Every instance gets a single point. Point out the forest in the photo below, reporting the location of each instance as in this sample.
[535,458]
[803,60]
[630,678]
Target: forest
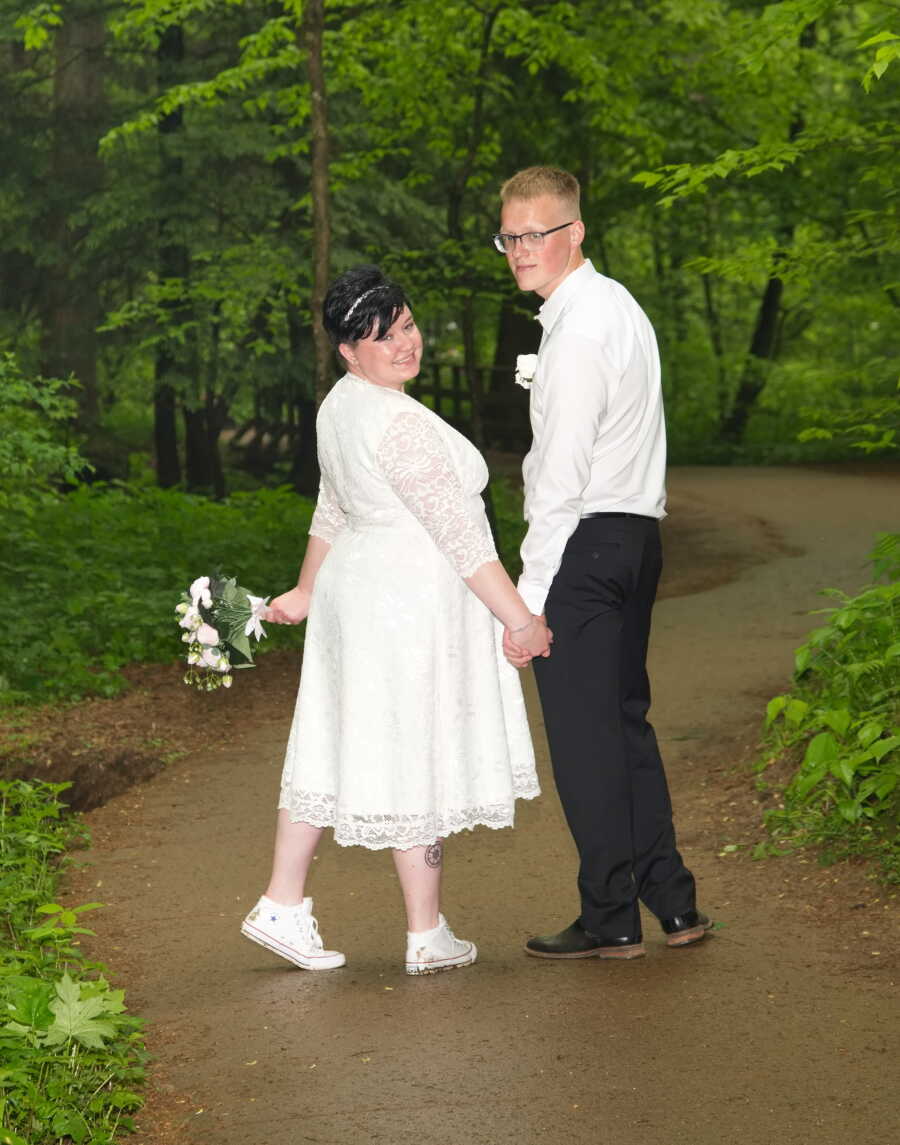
[180,179]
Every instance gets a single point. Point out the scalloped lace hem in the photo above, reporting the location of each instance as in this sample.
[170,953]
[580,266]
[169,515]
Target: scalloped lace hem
[378,832]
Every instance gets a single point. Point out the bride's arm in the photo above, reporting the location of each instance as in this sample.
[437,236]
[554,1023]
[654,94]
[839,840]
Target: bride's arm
[327,522]
[415,461]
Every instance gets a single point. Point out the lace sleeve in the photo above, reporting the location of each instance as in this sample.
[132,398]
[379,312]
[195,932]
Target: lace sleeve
[328,520]
[415,461]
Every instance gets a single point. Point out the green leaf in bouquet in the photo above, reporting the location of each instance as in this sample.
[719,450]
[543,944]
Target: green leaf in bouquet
[231,629]
[241,643]
[230,593]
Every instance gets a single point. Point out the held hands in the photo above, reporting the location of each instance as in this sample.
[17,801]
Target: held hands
[291,607]
[534,640]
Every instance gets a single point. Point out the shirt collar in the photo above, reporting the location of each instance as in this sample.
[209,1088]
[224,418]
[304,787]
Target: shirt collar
[553,307]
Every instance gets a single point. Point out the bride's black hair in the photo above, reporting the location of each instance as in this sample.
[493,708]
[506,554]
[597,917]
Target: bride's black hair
[360,301]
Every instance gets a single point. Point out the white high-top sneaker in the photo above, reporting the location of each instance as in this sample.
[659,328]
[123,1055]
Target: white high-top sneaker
[292,932]
[429,951]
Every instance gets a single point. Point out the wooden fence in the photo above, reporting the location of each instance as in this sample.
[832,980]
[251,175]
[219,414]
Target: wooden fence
[504,412]
[259,443]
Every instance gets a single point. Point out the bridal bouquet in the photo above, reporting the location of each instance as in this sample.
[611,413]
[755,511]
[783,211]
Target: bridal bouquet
[219,618]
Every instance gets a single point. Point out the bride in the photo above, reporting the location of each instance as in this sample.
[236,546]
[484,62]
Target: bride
[409,724]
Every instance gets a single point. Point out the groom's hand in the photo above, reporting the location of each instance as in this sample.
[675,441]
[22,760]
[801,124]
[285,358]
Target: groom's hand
[520,656]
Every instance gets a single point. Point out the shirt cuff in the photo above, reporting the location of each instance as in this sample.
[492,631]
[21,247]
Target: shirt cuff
[534,595]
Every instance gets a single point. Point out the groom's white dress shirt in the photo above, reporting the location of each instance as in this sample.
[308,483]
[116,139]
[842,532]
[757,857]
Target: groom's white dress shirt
[597,419]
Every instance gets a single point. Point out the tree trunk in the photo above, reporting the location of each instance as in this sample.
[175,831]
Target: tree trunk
[216,412]
[714,325]
[762,351]
[165,436]
[473,374]
[764,342]
[305,463]
[71,307]
[203,460]
[312,34]
[173,263]
[456,231]
[714,321]
[197,459]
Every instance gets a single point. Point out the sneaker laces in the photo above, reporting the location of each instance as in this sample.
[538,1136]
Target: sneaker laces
[309,924]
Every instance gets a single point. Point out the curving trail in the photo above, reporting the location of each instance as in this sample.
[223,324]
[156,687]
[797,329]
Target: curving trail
[782,1028]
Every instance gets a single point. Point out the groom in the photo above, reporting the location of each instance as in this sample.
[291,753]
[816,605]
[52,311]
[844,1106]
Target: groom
[594,495]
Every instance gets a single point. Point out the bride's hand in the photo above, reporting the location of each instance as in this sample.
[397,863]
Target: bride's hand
[292,607]
[533,640]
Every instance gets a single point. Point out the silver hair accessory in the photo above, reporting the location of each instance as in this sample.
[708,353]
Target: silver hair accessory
[365,294]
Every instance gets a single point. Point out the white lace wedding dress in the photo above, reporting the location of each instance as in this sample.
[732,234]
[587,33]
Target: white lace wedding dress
[409,722]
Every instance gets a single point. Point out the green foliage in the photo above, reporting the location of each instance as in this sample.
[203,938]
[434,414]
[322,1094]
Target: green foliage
[871,427]
[843,714]
[888,51]
[799,192]
[38,23]
[34,413]
[102,569]
[72,1058]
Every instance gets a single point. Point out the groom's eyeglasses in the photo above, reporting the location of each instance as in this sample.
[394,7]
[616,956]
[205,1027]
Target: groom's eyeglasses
[530,240]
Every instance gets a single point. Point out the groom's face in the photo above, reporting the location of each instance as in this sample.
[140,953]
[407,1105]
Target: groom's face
[544,268]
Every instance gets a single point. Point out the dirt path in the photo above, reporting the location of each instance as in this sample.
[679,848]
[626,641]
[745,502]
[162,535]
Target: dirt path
[782,1028]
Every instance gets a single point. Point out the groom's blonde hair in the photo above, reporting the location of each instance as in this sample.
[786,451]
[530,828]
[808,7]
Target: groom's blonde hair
[534,181]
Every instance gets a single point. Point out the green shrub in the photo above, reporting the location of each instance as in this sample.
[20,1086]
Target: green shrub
[843,714]
[71,1057]
[89,581]
[34,414]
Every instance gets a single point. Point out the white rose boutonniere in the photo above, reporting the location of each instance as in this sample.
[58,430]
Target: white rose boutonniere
[526,365]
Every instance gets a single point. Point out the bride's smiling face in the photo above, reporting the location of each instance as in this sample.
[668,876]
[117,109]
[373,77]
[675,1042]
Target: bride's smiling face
[391,360]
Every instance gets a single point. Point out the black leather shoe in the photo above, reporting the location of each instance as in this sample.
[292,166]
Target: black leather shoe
[684,929]
[576,942]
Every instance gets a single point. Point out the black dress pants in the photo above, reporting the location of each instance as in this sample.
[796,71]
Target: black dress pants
[595,695]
